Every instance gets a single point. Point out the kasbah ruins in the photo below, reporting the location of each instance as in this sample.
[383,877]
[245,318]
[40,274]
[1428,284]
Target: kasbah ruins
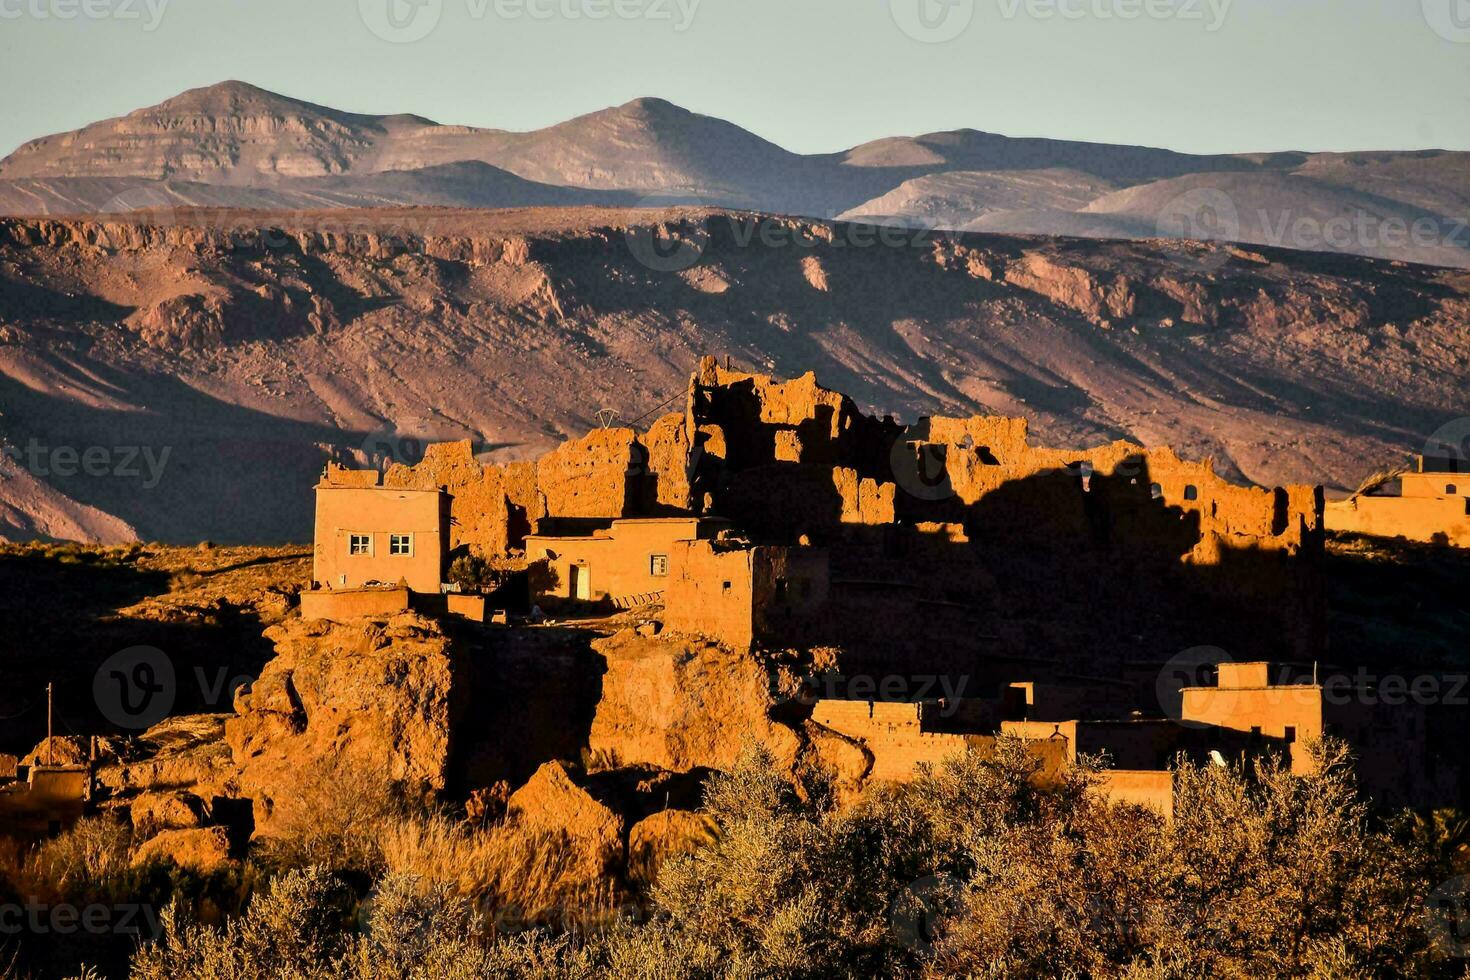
[771,565]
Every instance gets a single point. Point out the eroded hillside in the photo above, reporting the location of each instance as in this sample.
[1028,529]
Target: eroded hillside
[213,361]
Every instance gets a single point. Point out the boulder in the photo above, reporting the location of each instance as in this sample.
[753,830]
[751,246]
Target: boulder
[551,803]
[203,849]
[187,753]
[660,836]
[154,812]
[65,750]
[366,699]
[680,703]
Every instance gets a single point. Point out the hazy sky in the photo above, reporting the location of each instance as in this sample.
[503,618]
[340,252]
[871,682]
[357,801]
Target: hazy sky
[812,75]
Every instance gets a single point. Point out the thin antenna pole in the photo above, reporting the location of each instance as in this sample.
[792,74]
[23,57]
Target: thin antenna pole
[50,750]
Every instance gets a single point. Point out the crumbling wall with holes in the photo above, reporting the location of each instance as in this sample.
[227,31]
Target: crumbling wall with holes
[964,512]
[606,474]
[897,740]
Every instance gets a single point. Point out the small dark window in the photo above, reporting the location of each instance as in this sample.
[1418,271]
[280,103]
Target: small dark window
[1256,731]
[1290,734]
[1451,489]
[1155,491]
[1191,492]
[726,587]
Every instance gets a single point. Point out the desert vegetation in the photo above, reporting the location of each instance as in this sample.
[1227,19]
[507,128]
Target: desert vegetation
[979,867]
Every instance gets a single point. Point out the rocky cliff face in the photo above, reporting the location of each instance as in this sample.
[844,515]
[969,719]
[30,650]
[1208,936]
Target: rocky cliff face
[365,696]
[255,347]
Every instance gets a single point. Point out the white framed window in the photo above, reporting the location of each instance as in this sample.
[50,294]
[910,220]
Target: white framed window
[658,565]
[400,544]
[359,544]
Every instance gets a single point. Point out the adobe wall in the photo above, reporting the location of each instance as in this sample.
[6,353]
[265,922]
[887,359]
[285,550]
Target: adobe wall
[492,508]
[559,556]
[1435,484]
[608,473]
[893,734]
[471,607]
[1150,789]
[345,510]
[1153,546]
[789,592]
[1270,709]
[618,560]
[343,604]
[711,593]
[1417,518]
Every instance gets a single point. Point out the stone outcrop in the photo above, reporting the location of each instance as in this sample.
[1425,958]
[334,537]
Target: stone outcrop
[367,696]
[552,803]
[679,704]
[153,812]
[660,836]
[202,850]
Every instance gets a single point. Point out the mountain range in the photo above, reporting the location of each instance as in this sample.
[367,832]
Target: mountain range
[235,145]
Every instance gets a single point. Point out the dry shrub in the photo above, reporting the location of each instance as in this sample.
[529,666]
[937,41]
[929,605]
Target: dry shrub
[335,818]
[516,875]
[89,860]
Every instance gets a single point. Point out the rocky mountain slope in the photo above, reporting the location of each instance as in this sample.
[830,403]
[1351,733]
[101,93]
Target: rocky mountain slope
[186,375]
[235,145]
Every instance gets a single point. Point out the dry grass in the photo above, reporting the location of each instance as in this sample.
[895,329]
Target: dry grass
[1376,481]
[513,875]
[348,818]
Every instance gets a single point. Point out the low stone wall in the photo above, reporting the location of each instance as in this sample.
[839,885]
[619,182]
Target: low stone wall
[1415,518]
[340,604]
[471,607]
[1149,788]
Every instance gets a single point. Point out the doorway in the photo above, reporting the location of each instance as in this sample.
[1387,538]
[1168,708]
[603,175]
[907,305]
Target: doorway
[581,583]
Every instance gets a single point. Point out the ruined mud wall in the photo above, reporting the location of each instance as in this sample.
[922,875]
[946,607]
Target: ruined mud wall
[1111,553]
[606,474]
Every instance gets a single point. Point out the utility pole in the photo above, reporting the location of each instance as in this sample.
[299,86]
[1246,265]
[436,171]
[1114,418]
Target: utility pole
[50,749]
